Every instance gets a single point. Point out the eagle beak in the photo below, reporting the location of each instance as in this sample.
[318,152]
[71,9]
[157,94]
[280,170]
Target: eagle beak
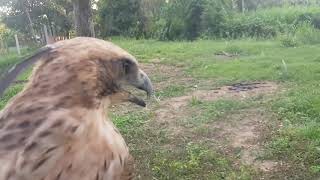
[142,82]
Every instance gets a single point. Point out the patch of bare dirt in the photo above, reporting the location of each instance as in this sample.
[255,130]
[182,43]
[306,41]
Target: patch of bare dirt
[166,75]
[225,56]
[244,131]
[238,135]
[236,91]
[240,132]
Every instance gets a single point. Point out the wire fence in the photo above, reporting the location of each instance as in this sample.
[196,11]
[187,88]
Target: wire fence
[16,43]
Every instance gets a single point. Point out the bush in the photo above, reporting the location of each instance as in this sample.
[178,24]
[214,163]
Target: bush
[180,19]
[233,49]
[267,23]
[121,17]
[308,34]
[304,33]
[213,19]
[247,26]
[171,24]
[191,19]
[289,40]
[314,19]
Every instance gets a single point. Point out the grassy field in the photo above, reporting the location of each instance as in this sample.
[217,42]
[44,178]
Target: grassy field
[206,126]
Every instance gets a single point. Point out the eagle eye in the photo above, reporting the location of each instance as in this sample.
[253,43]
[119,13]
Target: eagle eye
[126,65]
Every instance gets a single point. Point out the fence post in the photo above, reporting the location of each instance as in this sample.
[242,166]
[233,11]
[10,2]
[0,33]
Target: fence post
[2,48]
[54,34]
[242,6]
[46,33]
[17,43]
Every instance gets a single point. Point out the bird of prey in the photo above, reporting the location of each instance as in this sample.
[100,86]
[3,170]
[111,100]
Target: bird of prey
[57,128]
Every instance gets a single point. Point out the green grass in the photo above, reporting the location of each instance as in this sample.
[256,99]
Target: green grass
[12,91]
[208,111]
[196,161]
[171,91]
[10,59]
[128,123]
[297,109]
[189,159]
[7,61]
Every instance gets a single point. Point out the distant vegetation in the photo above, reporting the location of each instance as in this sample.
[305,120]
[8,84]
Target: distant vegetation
[287,20]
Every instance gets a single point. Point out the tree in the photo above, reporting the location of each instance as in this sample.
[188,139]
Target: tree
[83,18]
[5,33]
[214,17]
[29,16]
[19,8]
[173,19]
[121,17]
[193,19]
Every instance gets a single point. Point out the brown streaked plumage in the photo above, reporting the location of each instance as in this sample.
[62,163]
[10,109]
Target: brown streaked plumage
[56,128]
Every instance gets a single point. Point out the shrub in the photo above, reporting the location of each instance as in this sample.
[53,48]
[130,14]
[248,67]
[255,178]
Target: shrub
[233,49]
[213,19]
[267,23]
[308,34]
[247,26]
[191,19]
[288,40]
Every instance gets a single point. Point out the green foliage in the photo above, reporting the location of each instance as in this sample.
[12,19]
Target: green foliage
[267,23]
[304,33]
[169,20]
[214,18]
[173,19]
[121,17]
[5,38]
[288,40]
[190,19]
[206,19]
[308,34]
[193,20]
[249,26]
[234,50]
[57,15]
[4,32]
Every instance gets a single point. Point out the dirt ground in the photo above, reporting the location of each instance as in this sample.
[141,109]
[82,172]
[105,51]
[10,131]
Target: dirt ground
[239,135]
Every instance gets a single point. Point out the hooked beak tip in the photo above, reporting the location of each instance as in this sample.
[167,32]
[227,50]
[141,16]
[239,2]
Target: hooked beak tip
[137,101]
[143,83]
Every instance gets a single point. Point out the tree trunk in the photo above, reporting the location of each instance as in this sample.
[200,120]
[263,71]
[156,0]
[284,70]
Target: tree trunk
[83,18]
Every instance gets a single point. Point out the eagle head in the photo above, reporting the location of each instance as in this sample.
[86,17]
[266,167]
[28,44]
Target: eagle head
[115,70]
